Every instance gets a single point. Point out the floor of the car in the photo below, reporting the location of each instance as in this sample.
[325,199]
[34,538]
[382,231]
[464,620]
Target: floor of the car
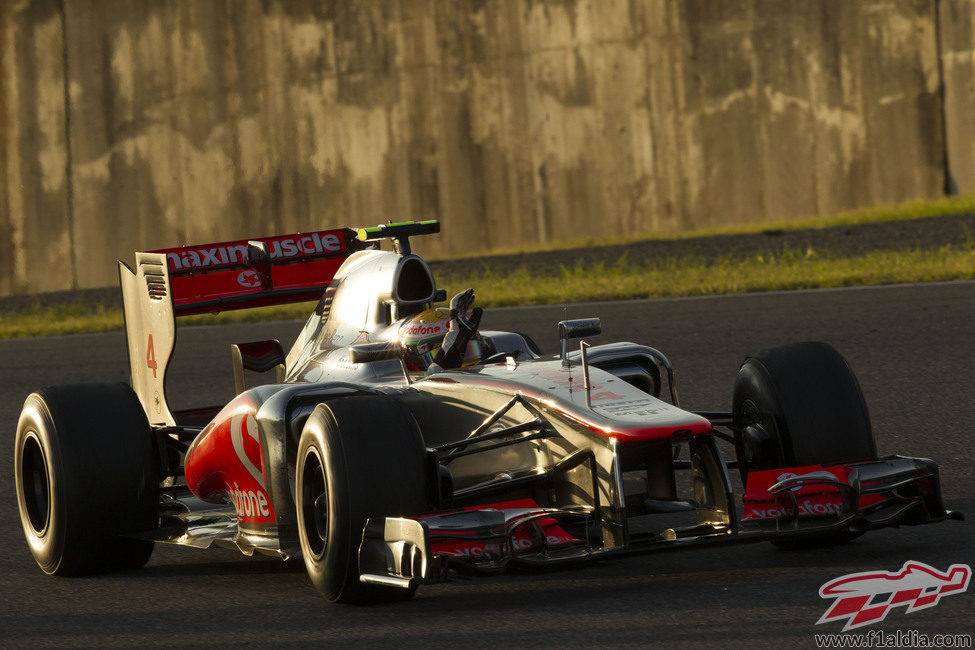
[186,520]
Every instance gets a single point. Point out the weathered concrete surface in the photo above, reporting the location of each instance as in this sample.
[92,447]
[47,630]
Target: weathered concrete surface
[35,223]
[511,121]
[957,22]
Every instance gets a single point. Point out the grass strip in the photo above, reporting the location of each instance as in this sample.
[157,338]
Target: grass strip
[950,205]
[688,277]
[621,280]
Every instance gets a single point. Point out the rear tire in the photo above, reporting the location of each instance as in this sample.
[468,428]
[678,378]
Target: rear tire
[85,474]
[808,409]
[358,457]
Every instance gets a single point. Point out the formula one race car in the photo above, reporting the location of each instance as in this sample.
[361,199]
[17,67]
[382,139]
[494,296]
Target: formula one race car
[400,445]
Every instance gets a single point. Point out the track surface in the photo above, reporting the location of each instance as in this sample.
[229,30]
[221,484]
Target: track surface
[911,347]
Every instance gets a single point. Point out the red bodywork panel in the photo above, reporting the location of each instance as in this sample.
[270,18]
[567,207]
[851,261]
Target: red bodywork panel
[226,464]
[223,276]
[810,499]
[523,538]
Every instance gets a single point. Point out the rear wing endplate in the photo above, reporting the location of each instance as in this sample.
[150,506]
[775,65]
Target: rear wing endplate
[150,331]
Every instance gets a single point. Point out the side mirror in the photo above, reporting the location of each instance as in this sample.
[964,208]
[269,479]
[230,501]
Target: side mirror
[576,329]
[366,352]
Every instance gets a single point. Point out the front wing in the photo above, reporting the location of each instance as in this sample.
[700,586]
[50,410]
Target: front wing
[782,504]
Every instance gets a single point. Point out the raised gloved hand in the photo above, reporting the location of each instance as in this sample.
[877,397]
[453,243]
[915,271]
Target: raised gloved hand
[464,321]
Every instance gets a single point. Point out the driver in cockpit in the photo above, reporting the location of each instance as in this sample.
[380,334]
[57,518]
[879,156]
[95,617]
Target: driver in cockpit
[441,338]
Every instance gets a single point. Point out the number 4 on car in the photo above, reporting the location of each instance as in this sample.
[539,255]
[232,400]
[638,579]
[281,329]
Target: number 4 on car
[398,443]
[151,357]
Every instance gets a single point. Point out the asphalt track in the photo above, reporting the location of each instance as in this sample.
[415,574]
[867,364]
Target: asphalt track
[911,346]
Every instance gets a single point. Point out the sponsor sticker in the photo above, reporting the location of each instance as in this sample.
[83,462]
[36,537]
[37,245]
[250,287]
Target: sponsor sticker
[249,504]
[287,246]
[422,329]
[248,278]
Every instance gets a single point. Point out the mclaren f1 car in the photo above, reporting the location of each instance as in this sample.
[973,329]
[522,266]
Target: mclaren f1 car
[398,444]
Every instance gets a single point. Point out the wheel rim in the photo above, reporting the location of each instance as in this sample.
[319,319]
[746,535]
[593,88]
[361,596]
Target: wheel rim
[35,484]
[314,503]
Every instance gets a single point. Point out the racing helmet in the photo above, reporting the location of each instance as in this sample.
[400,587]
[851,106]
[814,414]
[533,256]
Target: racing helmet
[421,341]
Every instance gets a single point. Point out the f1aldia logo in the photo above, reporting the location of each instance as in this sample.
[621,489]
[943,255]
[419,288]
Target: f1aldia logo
[866,598]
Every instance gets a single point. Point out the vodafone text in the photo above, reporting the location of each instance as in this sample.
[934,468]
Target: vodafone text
[248,504]
[420,330]
[807,507]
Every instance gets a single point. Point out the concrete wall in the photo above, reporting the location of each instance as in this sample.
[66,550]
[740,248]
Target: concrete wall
[957,38]
[36,252]
[136,124]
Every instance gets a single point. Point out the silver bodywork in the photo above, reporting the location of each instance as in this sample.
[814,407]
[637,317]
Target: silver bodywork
[584,432]
[373,292]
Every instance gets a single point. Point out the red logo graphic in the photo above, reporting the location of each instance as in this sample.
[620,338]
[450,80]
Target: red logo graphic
[866,598]
[248,278]
[246,440]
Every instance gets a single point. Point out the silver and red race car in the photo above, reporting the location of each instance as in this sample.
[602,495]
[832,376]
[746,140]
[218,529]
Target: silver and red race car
[400,445]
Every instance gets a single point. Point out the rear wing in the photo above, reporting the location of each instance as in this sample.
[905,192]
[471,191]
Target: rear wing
[223,276]
[257,272]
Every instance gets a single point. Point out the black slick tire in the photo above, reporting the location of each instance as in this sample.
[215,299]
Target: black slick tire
[85,475]
[807,400]
[358,457]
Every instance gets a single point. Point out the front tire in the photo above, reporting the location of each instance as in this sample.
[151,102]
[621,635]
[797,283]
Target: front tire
[85,474]
[358,457]
[805,407]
